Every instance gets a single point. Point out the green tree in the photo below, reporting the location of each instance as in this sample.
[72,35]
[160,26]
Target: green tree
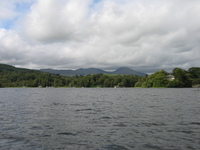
[160,79]
[194,72]
[140,81]
[195,75]
[182,78]
[157,79]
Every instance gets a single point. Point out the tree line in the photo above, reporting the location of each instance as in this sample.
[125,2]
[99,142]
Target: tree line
[16,77]
[182,78]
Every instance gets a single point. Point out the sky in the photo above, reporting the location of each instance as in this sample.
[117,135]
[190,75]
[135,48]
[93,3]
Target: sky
[144,35]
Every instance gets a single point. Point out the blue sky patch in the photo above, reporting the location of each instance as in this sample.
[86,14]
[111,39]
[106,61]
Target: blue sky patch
[21,9]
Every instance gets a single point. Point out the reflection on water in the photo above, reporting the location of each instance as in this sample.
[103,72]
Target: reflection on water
[99,119]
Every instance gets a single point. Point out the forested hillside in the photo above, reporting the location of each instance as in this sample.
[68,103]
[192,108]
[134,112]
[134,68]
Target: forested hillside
[17,77]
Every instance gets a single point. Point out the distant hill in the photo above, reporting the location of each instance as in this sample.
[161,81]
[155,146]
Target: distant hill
[87,71]
[127,71]
[81,71]
[9,68]
[11,76]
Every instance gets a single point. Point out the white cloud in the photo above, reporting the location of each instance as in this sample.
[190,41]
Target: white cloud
[52,20]
[144,35]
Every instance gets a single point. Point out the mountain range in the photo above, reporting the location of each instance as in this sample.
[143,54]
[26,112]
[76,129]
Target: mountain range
[87,71]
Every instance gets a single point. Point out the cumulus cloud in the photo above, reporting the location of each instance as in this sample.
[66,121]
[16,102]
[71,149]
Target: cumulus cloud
[52,20]
[143,35]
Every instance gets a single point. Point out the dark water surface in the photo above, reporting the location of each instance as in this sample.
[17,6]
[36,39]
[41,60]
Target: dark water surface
[99,119]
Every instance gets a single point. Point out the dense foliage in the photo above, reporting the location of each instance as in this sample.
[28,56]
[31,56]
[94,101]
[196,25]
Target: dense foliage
[17,77]
[102,80]
[182,78]
[158,79]
[195,75]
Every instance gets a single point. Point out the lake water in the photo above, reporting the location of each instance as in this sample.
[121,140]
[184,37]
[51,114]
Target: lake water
[99,119]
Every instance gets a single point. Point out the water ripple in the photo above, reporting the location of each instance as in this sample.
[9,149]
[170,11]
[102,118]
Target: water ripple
[99,119]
